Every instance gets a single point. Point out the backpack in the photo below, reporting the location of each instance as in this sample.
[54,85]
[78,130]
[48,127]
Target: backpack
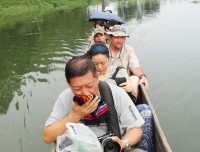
[121,80]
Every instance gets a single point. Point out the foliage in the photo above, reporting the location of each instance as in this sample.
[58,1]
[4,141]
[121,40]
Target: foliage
[12,11]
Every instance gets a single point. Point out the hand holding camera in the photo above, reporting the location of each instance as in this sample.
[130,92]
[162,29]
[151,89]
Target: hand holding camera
[108,144]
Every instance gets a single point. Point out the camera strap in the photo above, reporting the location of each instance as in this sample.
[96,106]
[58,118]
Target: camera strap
[116,71]
[112,121]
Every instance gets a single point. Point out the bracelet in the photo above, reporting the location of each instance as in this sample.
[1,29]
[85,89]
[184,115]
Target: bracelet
[140,76]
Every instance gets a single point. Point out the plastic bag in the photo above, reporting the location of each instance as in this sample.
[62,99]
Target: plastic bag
[78,138]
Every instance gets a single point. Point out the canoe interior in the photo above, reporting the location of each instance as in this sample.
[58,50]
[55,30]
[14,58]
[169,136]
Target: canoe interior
[160,141]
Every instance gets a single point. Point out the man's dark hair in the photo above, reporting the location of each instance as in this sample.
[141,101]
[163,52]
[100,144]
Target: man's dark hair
[79,66]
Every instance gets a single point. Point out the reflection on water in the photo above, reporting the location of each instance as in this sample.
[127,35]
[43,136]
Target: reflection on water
[39,48]
[33,56]
[138,9]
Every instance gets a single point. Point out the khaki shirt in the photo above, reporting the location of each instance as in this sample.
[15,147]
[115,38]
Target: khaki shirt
[126,58]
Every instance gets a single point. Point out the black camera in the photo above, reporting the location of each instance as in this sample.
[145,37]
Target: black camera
[108,144]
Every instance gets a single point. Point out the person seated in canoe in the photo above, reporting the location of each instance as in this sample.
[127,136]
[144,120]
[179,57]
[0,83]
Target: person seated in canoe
[99,54]
[109,24]
[98,35]
[122,54]
[98,23]
[107,9]
[82,78]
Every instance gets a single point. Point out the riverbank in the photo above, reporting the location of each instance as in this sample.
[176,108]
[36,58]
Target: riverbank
[22,11]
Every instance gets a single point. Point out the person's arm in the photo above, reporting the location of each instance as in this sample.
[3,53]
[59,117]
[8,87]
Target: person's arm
[51,132]
[135,68]
[138,72]
[58,128]
[132,137]
[126,85]
[130,119]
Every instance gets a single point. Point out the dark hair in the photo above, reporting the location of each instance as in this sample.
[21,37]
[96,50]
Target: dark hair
[98,48]
[79,66]
[100,22]
[110,23]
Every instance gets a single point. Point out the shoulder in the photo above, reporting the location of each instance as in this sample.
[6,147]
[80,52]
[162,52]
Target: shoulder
[66,93]
[116,91]
[128,48]
[65,97]
[62,107]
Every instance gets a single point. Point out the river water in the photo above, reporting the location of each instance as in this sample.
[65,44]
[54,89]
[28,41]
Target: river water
[165,35]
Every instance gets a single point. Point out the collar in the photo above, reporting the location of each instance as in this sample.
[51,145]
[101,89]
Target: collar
[121,52]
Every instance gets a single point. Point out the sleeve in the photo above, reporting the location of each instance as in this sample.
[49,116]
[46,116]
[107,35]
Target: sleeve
[133,59]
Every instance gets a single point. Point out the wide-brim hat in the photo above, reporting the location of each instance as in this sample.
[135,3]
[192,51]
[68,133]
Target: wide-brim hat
[118,30]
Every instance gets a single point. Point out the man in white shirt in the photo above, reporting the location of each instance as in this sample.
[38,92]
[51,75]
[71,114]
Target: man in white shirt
[82,78]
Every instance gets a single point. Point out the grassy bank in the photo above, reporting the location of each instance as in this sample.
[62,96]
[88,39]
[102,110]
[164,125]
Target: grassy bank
[13,11]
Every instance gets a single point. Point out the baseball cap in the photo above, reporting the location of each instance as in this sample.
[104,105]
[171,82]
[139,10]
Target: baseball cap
[107,9]
[99,30]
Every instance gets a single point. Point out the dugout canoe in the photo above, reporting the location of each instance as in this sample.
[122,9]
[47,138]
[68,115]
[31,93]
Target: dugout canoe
[160,141]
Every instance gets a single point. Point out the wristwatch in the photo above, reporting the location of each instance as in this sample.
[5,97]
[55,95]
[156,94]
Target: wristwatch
[140,76]
[127,147]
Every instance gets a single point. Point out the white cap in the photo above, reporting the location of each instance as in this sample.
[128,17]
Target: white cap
[107,9]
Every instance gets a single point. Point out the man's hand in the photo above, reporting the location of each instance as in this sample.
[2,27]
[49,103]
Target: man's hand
[120,142]
[145,81]
[86,108]
[126,86]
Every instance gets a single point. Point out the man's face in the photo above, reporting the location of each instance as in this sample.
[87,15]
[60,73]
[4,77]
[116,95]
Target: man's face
[118,41]
[84,85]
[100,38]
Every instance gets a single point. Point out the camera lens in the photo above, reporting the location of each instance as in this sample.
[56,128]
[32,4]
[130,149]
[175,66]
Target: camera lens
[108,144]
[112,146]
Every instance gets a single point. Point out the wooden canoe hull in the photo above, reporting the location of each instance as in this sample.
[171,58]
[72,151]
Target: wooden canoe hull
[160,142]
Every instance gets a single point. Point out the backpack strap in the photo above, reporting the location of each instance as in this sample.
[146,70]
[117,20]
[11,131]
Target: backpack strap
[112,121]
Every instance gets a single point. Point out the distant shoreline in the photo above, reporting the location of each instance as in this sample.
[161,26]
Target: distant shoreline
[23,11]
